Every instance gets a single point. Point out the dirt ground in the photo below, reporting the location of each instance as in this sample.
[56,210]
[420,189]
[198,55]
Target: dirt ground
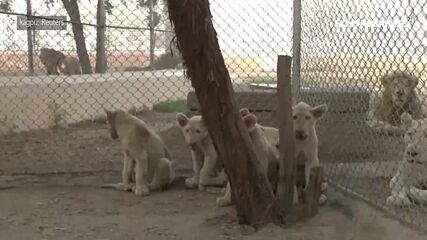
[49,189]
[74,207]
[86,147]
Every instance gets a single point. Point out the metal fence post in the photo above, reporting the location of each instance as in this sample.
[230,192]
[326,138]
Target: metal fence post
[152,35]
[30,41]
[296,50]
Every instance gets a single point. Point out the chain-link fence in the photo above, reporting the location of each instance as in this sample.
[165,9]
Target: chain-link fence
[56,123]
[367,61]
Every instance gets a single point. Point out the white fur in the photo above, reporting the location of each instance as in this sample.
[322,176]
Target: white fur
[143,153]
[306,141]
[265,153]
[207,169]
[412,171]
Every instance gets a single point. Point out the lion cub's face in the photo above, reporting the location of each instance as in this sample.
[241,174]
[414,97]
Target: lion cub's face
[112,122]
[305,117]
[194,129]
[415,140]
[400,86]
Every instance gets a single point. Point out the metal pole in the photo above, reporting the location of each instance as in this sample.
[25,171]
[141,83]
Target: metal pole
[287,163]
[296,48]
[152,40]
[30,41]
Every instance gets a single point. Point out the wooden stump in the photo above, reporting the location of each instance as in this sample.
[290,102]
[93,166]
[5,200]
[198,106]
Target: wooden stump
[308,204]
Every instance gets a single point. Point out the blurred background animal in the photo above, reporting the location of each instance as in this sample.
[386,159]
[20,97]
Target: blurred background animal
[51,59]
[69,66]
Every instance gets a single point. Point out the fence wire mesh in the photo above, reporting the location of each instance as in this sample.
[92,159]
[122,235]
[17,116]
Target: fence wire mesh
[55,123]
[366,60]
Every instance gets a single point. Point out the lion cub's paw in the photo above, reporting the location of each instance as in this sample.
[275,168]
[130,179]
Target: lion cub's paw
[323,199]
[324,186]
[399,200]
[201,187]
[190,183]
[141,191]
[223,202]
[128,187]
[418,195]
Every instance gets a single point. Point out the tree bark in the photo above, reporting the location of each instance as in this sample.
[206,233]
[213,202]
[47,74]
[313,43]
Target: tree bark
[101,60]
[196,38]
[73,11]
[168,35]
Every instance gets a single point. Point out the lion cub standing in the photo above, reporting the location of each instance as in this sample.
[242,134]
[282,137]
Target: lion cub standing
[143,151]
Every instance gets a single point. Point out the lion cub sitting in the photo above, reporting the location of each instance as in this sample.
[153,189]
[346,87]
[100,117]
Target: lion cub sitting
[208,170]
[265,152]
[143,151]
[410,181]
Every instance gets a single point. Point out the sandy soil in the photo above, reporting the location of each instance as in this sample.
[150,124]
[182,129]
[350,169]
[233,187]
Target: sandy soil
[82,148]
[74,207]
[49,189]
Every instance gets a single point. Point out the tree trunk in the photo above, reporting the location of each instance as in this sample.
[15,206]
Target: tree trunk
[101,61]
[168,35]
[73,11]
[198,44]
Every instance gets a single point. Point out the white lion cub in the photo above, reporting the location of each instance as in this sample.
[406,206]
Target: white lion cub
[265,152]
[304,120]
[272,134]
[143,151]
[208,170]
[410,180]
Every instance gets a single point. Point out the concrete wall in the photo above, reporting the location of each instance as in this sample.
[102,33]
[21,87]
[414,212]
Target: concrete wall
[28,102]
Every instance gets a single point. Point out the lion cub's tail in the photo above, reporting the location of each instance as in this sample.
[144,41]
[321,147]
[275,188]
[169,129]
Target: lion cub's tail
[172,161]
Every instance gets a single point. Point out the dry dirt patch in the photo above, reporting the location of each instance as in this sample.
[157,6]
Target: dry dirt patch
[81,148]
[74,207]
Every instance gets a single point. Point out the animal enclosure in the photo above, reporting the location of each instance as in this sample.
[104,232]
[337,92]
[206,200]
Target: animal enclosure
[342,52]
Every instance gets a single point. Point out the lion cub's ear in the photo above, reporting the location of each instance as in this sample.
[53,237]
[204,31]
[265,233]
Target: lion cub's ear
[244,112]
[250,121]
[406,120]
[181,119]
[109,113]
[319,111]
[132,110]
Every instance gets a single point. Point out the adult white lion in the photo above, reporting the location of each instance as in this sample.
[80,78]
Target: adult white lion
[398,95]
